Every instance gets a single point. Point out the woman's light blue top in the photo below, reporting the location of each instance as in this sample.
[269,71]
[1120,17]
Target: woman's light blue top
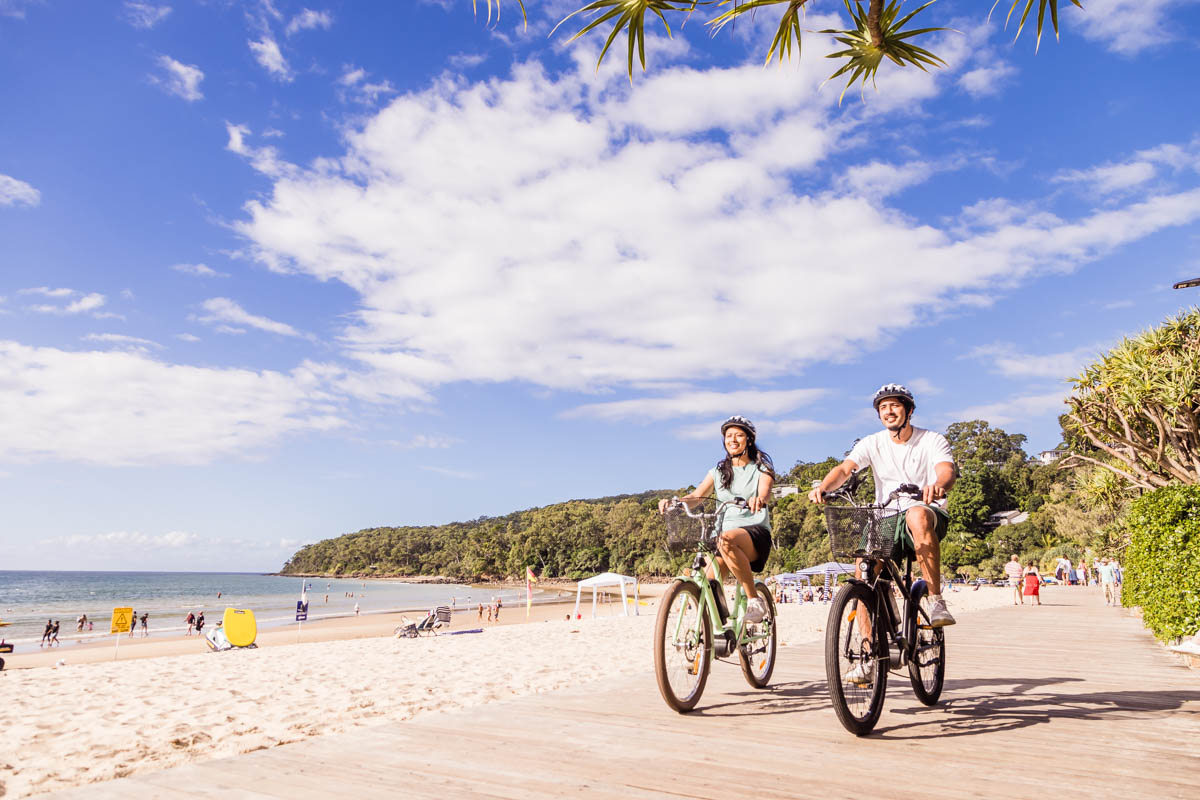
[744,485]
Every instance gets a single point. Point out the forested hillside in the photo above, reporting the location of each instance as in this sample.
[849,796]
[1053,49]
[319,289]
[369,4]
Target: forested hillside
[1071,511]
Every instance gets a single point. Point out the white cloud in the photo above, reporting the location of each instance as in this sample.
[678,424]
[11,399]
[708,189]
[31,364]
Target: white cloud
[1127,26]
[1007,360]
[84,303]
[354,87]
[451,473]
[267,54]
[46,291]
[187,337]
[467,60]
[179,79]
[766,429]
[124,407]
[224,313]
[145,15]
[697,403]
[878,179]
[1020,410]
[423,441]
[199,270]
[988,80]
[18,193]
[1133,173]
[569,233]
[264,159]
[122,339]
[172,540]
[307,20]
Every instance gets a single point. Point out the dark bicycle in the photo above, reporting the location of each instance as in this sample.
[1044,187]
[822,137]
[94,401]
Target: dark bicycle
[867,634]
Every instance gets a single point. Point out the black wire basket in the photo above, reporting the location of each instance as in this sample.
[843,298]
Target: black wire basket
[685,533]
[856,532]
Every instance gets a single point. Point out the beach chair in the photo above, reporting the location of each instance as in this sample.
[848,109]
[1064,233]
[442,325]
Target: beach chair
[441,618]
[407,629]
[426,625]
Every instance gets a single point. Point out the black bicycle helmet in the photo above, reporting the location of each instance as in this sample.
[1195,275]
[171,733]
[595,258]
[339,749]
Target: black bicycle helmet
[740,422]
[894,390]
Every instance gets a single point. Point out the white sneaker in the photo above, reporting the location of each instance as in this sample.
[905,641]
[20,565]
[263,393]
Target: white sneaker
[860,675]
[756,610]
[939,615]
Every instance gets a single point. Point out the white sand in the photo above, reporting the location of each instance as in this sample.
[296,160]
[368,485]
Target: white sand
[92,722]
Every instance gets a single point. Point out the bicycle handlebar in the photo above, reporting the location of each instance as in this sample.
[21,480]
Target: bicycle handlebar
[908,489]
[740,502]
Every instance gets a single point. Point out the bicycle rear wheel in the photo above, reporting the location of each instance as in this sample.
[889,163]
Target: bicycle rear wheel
[854,640]
[927,669]
[682,646]
[758,656]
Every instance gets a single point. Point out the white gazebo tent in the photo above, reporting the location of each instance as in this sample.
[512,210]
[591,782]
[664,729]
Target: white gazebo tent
[607,579]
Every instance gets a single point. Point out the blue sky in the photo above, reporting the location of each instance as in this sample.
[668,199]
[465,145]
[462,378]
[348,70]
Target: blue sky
[272,272]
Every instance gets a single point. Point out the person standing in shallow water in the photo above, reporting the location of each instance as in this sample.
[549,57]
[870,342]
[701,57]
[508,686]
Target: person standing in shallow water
[46,633]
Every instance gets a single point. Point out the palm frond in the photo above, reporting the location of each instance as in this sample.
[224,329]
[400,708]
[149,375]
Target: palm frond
[787,33]
[863,56]
[496,3]
[1041,17]
[628,16]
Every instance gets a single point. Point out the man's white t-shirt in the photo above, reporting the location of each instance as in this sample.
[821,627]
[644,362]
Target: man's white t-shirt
[913,462]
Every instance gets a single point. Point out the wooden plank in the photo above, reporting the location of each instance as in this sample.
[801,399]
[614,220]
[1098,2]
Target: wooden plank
[1029,690]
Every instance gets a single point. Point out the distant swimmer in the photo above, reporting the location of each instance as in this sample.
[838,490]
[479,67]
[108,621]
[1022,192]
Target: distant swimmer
[218,595]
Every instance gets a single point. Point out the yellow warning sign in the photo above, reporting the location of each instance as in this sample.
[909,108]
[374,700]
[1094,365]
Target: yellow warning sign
[122,618]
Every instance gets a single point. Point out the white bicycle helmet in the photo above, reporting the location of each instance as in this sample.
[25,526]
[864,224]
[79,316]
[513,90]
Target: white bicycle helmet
[894,390]
[740,422]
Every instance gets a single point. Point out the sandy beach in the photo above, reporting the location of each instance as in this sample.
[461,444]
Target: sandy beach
[86,722]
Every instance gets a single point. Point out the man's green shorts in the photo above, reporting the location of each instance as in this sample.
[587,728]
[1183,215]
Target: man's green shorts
[904,547]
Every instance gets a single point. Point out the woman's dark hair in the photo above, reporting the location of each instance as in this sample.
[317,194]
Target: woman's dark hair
[756,456]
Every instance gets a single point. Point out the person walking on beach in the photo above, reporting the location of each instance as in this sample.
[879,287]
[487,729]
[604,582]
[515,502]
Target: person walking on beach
[145,628]
[200,624]
[497,620]
[356,609]
[1033,584]
[80,622]
[46,633]
[481,612]
[191,623]
[54,634]
[1014,572]
[132,623]
[1062,570]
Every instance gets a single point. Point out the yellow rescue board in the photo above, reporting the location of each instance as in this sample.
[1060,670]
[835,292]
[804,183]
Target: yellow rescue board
[240,627]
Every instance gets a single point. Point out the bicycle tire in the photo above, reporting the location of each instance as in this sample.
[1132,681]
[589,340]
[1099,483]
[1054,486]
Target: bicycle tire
[927,667]
[693,654]
[857,706]
[758,664]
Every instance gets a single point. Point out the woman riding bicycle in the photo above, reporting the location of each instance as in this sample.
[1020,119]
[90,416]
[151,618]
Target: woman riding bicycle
[745,535]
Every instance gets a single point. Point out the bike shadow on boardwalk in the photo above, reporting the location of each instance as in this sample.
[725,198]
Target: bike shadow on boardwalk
[779,698]
[1026,703]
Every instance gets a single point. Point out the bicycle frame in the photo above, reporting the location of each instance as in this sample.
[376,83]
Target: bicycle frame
[722,643]
[902,633]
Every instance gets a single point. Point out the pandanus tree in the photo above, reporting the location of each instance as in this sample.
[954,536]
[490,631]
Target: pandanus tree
[872,33]
[1139,406]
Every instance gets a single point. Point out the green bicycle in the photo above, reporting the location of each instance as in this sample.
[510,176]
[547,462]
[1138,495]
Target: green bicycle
[694,626]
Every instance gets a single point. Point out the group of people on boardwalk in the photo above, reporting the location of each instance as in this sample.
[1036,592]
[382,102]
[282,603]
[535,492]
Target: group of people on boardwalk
[1026,581]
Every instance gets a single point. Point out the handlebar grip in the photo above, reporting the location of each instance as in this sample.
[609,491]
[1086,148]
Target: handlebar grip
[908,488]
[740,502]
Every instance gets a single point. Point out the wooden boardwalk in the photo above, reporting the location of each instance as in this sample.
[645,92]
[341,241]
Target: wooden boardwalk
[1068,698]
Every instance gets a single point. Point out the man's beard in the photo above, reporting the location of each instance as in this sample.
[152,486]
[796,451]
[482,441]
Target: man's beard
[896,427]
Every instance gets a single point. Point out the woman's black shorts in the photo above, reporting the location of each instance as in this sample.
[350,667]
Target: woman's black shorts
[760,535]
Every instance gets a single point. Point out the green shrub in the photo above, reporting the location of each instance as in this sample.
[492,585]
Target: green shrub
[1162,563]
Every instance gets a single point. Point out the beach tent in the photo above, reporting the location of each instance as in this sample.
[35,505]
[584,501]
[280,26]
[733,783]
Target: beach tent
[786,578]
[602,580]
[828,568]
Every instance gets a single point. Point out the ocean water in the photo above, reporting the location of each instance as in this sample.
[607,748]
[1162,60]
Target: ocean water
[28,599]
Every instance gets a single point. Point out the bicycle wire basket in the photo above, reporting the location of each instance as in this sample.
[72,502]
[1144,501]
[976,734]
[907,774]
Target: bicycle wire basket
[685,533]
[860,531]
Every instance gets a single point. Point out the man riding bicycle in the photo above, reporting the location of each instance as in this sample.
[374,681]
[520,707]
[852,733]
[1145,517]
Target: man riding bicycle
[745,540]
[899,454]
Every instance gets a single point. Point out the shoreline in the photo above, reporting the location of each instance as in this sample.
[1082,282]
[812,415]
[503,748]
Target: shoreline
[102,647]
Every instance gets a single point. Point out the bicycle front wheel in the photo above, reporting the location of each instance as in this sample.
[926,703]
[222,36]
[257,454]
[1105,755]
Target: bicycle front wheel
[682,646]
[758,655]
[927,668]
[854,642]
